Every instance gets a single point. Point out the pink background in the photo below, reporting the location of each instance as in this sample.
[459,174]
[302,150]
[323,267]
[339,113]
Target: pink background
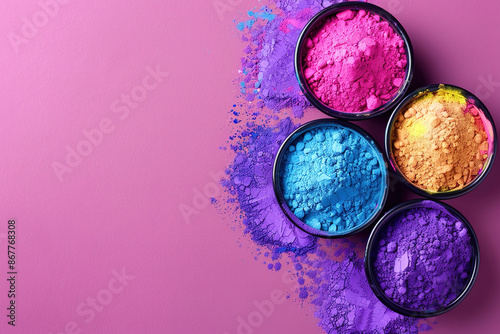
[119,209]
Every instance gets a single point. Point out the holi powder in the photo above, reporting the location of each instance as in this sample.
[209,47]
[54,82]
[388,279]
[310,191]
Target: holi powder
[422,257]
[268,77]
[250,184]
[329,272]
[332,177]
[354,61]
[439,142]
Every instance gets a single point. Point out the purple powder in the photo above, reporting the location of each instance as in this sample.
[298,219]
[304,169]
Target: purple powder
[250,182]
[343,299]
[335,284]
[331,280]
[423,257]
[268,72]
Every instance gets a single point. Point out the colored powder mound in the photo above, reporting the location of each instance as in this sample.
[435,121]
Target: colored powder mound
[439,142]
[336,287]
[354,61]
[332,179]
[423,258]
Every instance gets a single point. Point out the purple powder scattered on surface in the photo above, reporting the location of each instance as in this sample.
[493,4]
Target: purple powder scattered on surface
[250,182]
[423,258]
[268,71]
[343,299]
[329,273]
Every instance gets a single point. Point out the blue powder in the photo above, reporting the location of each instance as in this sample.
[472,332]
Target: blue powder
[333,178]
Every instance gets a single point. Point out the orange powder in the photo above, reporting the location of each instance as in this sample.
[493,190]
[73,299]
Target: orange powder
[439,142]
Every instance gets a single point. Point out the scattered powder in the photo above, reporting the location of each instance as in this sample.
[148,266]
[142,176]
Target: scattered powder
[250,182]
[354,61]
[343,299]
[334,284]
[331,178]
[422,258]
[439,142]
[268,75]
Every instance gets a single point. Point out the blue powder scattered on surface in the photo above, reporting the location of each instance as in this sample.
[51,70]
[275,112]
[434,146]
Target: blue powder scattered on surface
[338,290]
[331,178]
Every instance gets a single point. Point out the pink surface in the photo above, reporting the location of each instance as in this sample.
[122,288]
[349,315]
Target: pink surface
[112,229]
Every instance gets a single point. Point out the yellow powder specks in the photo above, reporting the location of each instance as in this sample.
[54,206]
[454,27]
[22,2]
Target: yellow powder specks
[417,129]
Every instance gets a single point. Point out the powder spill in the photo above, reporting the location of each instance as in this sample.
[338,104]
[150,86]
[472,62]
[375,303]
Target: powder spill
[334,284]
[423,257]
[343,299]
[439,142]
[332,178]
[250,181]
[354,61]
[268,72]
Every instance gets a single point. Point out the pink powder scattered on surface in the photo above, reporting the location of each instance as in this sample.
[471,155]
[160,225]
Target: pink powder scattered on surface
[354,61]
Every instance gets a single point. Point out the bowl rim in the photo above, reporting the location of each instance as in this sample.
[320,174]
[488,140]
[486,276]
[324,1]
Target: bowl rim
[279,193]
[398,28]
[441,195]
[369,271]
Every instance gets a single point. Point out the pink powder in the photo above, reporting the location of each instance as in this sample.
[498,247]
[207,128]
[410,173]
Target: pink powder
[354,61]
